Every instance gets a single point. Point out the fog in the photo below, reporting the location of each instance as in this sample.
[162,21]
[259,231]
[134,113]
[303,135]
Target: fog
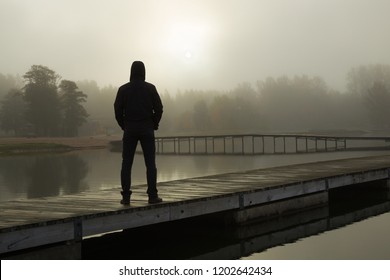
[198,44]
[220,66]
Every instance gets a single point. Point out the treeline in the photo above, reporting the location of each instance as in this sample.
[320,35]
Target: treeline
[44,106]
[283,104]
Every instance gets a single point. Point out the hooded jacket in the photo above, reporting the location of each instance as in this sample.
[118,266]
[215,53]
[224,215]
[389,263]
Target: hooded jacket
[137,103]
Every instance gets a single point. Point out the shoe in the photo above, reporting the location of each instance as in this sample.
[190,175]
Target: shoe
[154,200]
[125,201]
[125,198]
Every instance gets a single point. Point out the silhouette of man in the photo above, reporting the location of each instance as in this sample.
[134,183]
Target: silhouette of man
[138,111]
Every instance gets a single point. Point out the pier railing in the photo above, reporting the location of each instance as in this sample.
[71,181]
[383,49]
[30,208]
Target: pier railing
[254,144]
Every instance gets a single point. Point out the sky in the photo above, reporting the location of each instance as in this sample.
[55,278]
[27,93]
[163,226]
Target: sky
[194,44]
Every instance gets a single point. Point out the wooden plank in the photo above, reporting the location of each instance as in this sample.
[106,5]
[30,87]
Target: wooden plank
[36,236]
[358,178]
[101,224]
[202,207]
[283,192]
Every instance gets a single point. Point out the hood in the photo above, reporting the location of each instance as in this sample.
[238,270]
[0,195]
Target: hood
[137,71]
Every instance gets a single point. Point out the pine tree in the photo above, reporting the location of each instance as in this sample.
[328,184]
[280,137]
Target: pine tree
[73,112]
[43,103]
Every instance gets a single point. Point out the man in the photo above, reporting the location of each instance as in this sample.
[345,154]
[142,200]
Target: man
[138,111]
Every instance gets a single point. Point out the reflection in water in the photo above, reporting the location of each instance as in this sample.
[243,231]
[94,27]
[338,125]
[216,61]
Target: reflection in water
[200,238]
[44,175]
[13,171]
[75,170]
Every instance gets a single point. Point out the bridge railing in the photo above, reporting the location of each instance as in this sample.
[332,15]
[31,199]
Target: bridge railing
[253,144]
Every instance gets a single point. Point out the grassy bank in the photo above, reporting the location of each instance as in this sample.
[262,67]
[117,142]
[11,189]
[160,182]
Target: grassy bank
[26,145]
[26,148]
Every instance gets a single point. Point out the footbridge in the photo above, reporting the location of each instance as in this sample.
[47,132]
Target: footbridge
[254,144]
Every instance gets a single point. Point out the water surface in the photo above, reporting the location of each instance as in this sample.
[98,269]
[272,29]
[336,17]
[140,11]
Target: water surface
[32,176]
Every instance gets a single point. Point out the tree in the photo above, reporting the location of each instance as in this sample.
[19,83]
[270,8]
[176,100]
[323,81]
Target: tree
[43,103]
[8,82]
[298,103]
[368,86]
[100,115]
[74,114]
[378,102]
[12,112]
[222,114]
[361,79]
[201,116]
[169,116]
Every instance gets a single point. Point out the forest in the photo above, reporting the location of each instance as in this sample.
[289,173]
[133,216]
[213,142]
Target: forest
[41,103]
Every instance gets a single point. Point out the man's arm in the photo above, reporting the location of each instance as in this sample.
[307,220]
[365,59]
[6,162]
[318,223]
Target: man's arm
[119,109]
[157,109]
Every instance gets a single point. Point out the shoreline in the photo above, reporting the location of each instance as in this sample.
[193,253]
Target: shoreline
[26,145]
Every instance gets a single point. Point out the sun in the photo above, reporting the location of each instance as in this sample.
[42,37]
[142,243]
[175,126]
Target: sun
[187,40]
[188,54]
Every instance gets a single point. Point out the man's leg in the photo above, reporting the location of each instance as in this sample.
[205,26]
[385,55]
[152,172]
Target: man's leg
[149,151]
[129,145]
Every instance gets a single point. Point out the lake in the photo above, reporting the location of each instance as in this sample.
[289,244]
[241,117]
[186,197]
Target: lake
[32,176]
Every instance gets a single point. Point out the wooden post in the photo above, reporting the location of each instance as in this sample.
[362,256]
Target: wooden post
[274,144]
[242,144]
[253,145]
[326,144]
[307,146]
[194,145]
[262,139]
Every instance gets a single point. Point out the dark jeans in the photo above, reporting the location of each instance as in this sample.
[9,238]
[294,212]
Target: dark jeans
[130,141]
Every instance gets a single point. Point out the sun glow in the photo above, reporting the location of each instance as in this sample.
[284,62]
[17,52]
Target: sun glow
[188,54]
[188,40]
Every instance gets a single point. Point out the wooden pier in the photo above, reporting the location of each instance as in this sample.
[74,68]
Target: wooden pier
[35,222]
